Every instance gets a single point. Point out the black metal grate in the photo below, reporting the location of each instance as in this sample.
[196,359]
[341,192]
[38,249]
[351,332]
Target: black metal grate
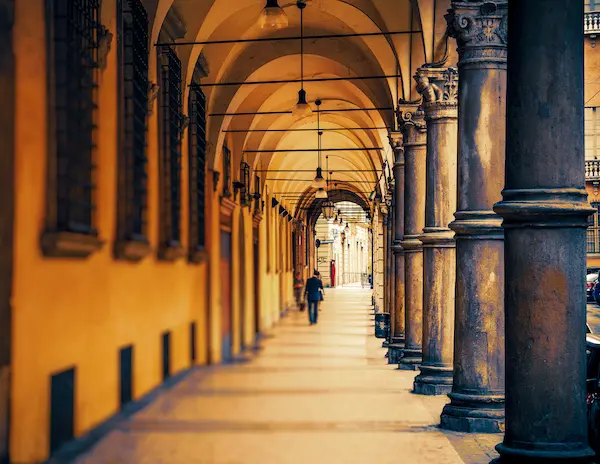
[134,69]
[257,193]
[197,166]
[75,33]
[226,171]
[172,125]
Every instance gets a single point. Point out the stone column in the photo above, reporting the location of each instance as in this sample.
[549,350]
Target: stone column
[395,348]
[439,87]
[410,120]
[545,209]
[477,398]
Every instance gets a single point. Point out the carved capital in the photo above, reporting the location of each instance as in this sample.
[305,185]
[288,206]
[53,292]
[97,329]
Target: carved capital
[397,144]
[480,29]
[439,88]
[411,121]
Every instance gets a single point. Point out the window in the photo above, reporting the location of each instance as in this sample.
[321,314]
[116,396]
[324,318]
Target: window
[257,194]
[592,133]
[132,205]
[593,231]
[226,172]
[197,167]
[592,5]
[172,124]
[74,33]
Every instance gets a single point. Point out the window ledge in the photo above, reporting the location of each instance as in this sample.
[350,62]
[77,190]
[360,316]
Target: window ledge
[133,250]
[198,255]
[69,244]
[171,251]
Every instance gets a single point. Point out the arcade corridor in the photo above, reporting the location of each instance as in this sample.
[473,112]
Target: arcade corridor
[174,171]
[321,394]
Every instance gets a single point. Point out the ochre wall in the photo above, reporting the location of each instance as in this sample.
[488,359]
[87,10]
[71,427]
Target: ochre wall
[592,72]
[81,312]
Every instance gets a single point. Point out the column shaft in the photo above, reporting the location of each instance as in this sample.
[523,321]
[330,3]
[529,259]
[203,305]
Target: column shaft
[545,211]
[477,398]
[398,287]
[439,88]
[415,137]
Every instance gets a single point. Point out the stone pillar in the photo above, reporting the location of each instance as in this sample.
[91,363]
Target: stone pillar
[545,209]
[410,120]
[477,398]
[397,342]
[439,87]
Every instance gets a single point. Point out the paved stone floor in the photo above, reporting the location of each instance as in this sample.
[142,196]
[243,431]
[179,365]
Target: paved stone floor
[320,394]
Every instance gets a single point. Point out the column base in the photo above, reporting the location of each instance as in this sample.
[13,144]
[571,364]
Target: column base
[474,413]
[433,380]
[546,453]
[395,352]
[411,359]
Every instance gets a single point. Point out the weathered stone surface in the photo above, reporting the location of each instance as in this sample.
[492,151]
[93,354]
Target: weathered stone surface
[412,123]
[544,208]
[439,87]
[478,381]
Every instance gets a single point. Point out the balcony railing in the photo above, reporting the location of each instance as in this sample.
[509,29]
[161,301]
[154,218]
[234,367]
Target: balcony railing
[592,169]
[591,23]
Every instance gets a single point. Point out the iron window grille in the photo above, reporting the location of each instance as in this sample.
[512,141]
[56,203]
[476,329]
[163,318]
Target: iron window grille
[133,112]
[197,171]
[226,172]
[74,33]
[243,185]
[257,195]
[172,124]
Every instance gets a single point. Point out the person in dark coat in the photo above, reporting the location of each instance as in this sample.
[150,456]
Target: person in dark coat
[314,293]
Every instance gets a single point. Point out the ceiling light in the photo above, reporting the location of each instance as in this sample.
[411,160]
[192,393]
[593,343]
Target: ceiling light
[319,182]
[302,108]
[328,210]
[272,16]
[321,194]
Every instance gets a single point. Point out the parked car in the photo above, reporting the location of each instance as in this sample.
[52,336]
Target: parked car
[591,279]
[593,388]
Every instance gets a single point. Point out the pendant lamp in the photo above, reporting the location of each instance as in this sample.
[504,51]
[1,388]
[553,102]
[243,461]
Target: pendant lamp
[272,16]
[321,194]
[302,108]
[319,181]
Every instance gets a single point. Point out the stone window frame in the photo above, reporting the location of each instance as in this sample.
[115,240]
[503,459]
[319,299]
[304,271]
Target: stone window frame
[71,152]
[197,173]
[133,92]
[172,123]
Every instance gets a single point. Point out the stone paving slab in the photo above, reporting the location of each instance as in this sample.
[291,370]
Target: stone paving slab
[320,394]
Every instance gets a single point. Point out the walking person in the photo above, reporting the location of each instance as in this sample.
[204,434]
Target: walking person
[314,293]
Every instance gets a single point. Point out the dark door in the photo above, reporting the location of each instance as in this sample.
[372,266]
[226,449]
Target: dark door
[225,265]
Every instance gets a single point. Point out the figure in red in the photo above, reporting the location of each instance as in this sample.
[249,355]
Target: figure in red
[332,272]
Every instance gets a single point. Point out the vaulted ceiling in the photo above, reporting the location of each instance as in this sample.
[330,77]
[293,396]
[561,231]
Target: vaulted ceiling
[422,40]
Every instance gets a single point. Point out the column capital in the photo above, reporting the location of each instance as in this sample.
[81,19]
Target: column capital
[480,29]
[411,122]
[439,88]
[397,144]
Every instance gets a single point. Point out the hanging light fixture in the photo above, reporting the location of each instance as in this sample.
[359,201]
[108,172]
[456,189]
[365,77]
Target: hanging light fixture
[328,207]
[347,228]
[321,194]
[302,108]
[319,182]
[272,16]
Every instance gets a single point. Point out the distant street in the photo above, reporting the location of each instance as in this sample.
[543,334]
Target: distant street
[593,317]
